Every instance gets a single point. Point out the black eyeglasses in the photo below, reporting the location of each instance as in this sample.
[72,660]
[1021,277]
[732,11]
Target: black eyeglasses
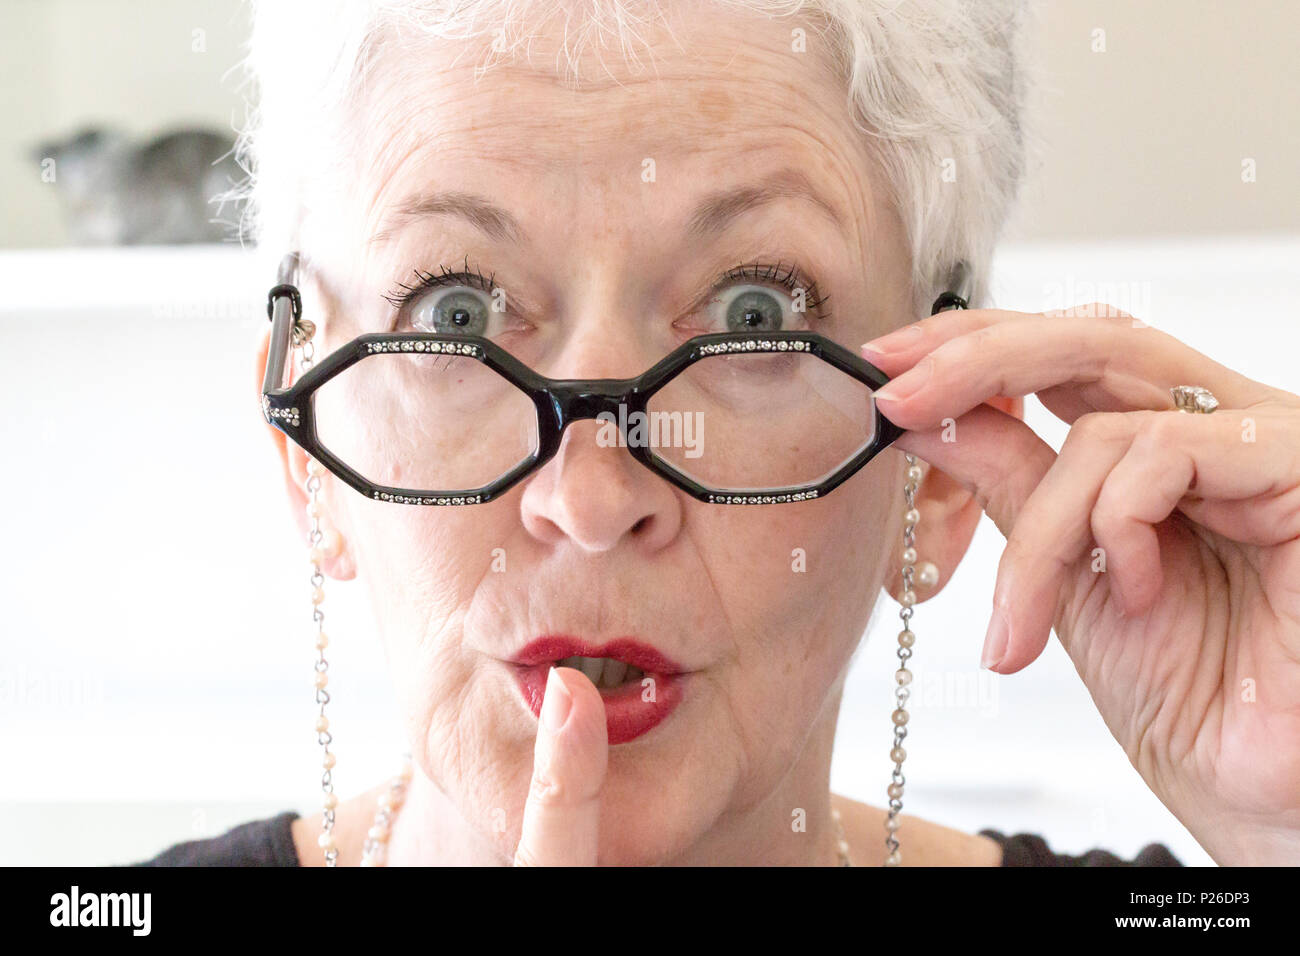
[730,418]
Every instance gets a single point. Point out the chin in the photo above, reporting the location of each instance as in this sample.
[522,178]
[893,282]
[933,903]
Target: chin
[654,814]
[643,835]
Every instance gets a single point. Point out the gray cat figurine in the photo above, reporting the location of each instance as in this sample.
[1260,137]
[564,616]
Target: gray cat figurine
[118,192]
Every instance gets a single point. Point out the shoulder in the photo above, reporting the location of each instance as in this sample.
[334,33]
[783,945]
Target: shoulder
[266,842]
[923,843]
[931,844]
[1030,849]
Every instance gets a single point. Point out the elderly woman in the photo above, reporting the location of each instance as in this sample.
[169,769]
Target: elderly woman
[496,224]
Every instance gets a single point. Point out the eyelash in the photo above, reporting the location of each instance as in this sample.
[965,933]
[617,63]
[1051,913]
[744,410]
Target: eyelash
[428,280]
[792,279]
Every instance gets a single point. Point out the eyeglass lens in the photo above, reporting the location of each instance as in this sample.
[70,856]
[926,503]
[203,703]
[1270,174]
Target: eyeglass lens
[735,422]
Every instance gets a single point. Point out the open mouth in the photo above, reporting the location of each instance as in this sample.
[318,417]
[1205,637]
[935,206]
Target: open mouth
[607,673]
[638,685]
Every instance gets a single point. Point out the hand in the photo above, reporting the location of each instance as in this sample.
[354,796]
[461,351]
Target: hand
[1189,641]
[562,815]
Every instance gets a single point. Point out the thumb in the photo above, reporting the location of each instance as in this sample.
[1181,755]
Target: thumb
[562,815]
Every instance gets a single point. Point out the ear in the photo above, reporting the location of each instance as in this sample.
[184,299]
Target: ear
[949,517]
[339,563]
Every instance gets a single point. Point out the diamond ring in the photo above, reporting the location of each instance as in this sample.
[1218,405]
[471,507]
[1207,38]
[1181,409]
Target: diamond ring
[1194,399]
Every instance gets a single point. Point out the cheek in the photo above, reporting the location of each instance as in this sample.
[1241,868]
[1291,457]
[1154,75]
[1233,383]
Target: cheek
[809,569]
[425,563]
[421,568]
[797,587]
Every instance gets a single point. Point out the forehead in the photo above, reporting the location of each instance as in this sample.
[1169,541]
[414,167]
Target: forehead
[724,98]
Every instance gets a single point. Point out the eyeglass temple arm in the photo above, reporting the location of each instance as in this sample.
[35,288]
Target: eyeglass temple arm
[957,290]
[284,309]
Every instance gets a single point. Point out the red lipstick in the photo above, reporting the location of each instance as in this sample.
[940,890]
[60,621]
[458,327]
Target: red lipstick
[632,709]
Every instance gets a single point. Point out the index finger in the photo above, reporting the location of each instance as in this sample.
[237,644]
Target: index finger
[562,816]
[961,358]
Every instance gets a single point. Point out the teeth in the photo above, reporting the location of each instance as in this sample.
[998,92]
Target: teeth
[613,673]
[604,672]
[593,667]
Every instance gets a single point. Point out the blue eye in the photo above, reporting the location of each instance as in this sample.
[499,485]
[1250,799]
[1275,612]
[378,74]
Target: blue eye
[754,309]
[453,310]
[758,298]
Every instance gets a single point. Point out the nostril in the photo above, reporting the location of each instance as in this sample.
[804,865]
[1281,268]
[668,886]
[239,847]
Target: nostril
[642,524]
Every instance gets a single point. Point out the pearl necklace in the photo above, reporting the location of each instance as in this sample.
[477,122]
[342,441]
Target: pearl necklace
[375,850]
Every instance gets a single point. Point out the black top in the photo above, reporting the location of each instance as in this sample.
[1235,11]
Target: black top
[269,842]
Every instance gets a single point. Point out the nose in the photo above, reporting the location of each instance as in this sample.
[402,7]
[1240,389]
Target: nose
[595,495]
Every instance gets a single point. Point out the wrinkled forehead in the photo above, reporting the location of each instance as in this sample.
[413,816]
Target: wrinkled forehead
[720,96]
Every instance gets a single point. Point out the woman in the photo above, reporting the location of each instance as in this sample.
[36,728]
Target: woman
[780,168]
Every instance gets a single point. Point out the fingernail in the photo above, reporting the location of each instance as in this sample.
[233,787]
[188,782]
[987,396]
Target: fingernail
[556,704]
[894,341]
[995,642]
[907,384]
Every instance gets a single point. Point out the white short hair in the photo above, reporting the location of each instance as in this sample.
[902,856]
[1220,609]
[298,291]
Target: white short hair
[937,86]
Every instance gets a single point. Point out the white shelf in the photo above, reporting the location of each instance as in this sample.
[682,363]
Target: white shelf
[132,277]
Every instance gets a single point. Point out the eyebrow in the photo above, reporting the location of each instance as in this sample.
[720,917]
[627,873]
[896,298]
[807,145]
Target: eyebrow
[711,215]
[489,218]
[718,210]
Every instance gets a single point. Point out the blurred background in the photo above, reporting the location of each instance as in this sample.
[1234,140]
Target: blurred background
[155,633]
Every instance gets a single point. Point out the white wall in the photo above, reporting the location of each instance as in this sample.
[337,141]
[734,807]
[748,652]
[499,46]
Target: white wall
[156,638]
[1147,137]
